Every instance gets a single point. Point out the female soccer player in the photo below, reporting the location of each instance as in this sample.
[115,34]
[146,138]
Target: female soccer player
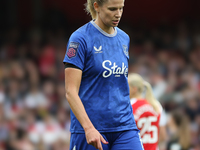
[146,111]
[96,70]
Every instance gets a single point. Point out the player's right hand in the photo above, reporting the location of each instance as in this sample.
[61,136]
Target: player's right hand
[94,138]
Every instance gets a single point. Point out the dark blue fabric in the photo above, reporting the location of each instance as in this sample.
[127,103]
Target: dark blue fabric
[124,140]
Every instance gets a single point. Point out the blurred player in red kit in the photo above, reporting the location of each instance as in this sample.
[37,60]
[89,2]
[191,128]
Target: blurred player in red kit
[147,111]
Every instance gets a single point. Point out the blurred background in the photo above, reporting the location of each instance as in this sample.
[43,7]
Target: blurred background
[165,50]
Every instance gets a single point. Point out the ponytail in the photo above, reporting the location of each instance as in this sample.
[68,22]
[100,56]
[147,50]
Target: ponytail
[90,8]
[137,81]
[150,97]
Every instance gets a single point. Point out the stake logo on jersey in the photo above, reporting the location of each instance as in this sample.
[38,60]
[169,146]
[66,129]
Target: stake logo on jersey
[125,48]
[72,50]
[113,68]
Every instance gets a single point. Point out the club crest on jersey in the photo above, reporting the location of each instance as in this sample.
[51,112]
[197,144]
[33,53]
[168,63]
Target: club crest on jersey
[72,50]
[125,49]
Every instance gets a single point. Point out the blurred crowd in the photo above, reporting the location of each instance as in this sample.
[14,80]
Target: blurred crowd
[34,113]
[168,57]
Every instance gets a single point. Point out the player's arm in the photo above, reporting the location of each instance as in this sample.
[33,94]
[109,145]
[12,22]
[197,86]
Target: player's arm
[162,125]
[162,129]
[72,83]
[162,134]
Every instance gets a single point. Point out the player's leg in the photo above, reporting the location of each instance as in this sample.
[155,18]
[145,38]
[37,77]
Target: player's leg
[128,140]
[78,142]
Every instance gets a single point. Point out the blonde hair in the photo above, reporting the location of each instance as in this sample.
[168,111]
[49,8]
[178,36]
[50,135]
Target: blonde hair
[90,7]
[135,80]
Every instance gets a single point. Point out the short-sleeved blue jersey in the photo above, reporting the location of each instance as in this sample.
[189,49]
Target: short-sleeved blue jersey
[104,91]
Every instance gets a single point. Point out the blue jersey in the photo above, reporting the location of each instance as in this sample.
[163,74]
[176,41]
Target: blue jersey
[104,90]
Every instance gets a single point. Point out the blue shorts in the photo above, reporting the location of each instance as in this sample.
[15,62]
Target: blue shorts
[123,140]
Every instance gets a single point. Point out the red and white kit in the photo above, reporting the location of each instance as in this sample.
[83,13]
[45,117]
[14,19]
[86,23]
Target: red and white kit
[148,122]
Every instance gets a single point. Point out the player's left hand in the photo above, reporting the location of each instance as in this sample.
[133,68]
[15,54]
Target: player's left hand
[94,138]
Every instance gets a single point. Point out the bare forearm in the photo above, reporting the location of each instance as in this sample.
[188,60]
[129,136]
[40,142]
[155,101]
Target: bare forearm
[72,83]
[79,110]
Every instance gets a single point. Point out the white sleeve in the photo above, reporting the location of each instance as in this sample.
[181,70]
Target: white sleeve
[163,118]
